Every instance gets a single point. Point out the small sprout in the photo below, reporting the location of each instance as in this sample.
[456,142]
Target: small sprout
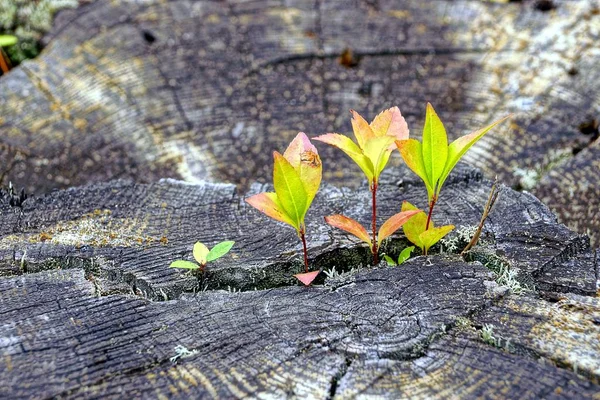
[296,178]
[416,231]
[434,159]
[203,255]
[404,255]
[375,142]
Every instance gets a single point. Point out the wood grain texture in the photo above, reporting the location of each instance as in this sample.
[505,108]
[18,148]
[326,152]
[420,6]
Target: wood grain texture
[206,90]
[89,314]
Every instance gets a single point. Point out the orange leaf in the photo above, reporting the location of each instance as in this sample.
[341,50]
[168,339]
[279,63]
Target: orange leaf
[307,277]
[349,225]
[362,129]
[393,224]
[390,123]
[268,203]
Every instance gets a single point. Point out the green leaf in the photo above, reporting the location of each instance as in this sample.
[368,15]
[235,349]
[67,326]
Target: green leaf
[8,40]
[405,254]
[303,156]
[435,146]
[184,264]
[433,235]
[411,151]
[200,252]
[459,147]
[414,226]
[220,250]
[346,144]
[269,204]
[393,224]
[389,260]
[349,225]
[290,190]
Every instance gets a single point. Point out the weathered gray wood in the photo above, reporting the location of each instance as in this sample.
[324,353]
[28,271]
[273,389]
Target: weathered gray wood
[206,90]
[83,316]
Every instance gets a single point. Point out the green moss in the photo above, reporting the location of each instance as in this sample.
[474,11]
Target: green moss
[28,20]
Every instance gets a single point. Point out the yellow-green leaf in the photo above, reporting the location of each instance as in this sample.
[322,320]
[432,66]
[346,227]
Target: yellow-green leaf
[8,40]
[269,204]
[415,225]
[393,224]
[390,123]
[200,252]
[346,144]
[184,264]
[303,156]
[435,146]
[219,250]
[362,129]
[405,254]
[289,188]
[433,235]
[411,152]
[378,152]
[349,225]
[459,147]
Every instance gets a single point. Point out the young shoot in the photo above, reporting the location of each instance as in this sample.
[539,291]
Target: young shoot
[375,143]
[296,178]
[404,255]
[203,255]
[434,159]
[416,229]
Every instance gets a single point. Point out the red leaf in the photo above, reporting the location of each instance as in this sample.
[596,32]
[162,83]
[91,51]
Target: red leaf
[394,223]
[307,277]
[349,225]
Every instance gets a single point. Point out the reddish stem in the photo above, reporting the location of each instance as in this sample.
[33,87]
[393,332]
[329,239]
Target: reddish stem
[431,204]
[374,248]
[4,63]
[303,238]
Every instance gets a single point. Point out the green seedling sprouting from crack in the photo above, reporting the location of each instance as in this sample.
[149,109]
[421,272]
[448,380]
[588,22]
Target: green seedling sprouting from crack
[203,255]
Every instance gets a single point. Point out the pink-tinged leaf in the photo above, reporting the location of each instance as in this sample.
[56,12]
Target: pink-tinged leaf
[459,147]
[378,151]
[290,190]
[390,123]
[433,235]
[415,225]
[268,204]
[362,129]
[307,277]
[435,146]
[346,144]
[299,145]
[349,225]
[200,251]
[394,223]
[411,152]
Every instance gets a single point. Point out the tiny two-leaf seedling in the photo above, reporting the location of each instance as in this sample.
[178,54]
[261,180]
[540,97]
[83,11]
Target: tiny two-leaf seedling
[404,255]
[375,142]
[416,230]
[203,255]
[434,159]
[296,178]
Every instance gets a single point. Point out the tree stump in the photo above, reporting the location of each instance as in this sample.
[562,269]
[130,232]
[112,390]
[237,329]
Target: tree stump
[90,308]
[205,90]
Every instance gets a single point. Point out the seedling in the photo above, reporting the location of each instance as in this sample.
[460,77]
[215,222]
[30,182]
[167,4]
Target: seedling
[415,229]
[203,255]
[375,142]
[404,255]
[296,178]
[434,159]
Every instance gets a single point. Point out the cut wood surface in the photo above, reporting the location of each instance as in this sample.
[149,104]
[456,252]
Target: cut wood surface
[205,90]
[90,308]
